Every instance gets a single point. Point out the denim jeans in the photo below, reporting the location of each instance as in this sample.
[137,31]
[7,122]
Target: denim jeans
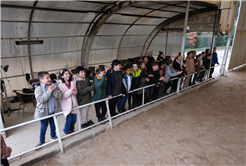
[122,102]
[150,90]
[44,125]
[69,125]
[174,85]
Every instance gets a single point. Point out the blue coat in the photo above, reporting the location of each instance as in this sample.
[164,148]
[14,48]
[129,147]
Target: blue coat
[215,58]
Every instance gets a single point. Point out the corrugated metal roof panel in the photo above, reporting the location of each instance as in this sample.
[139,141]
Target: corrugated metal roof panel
[74,5]
[22,3]
[107,29]
[150,20]
[150,4]
[121,19]
[62,16]
[133,10]
[140,29]
[163,14]
[15,14]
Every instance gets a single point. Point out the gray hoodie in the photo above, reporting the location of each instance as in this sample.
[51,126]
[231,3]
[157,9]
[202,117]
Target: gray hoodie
[42,97]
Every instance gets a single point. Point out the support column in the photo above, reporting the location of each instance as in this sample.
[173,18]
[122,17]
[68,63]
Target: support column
[212,45]
[226,54]
[184,37]
[29,34]
[166,44]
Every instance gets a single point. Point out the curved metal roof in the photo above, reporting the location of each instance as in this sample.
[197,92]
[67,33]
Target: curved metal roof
[83,32]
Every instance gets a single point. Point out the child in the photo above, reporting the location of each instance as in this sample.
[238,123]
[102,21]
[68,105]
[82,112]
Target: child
[169,73]
[136,73]
[142,83]
[100,92]
[47,95]
[198,68]
[149,54]
[160,57]
[190,68]
[206,62]
[84,96]
[126,87]
[68,101]
[214,61]
[201,75]
[153,91]
[114,76]
[177,67]
[162,74]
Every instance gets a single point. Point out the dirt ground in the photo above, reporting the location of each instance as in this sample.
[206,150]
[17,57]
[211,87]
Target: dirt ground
[205,127]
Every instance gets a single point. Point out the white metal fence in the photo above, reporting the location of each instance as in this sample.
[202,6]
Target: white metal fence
[109,119]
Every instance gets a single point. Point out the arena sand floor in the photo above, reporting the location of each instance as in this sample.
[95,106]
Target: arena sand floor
[204,127]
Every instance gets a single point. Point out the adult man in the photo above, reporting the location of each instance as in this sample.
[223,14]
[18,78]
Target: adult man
[214,61]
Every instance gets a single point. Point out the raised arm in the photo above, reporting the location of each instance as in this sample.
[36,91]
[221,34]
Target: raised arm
[42,97]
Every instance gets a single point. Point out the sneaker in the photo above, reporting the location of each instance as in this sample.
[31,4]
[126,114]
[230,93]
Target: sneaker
[89,123]
[120,110]
[99,119]
[53,138]
[84,125]
[39,144]
[114,114]
[103,118]
[129,107]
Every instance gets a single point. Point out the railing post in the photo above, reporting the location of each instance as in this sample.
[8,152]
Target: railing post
[178,86]
[58,133]
[79,120]
[109,116]
[143,97]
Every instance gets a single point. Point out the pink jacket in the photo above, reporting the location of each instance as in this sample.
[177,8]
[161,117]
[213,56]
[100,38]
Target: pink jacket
[69,100]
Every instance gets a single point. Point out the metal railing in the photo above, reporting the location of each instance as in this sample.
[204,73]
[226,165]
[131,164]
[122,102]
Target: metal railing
[109,119]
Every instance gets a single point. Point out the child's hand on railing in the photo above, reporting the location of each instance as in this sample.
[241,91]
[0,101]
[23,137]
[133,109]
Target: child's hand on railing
[179,72]
[110,97]
[123,95]
[161,78]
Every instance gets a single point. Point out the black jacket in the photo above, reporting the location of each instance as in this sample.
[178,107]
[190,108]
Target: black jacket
[155,79]
[112,82]
[150,60]
[206,62]
[176,66]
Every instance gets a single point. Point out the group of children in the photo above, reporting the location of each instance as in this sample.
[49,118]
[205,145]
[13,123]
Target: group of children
[64,95]
[70,92]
